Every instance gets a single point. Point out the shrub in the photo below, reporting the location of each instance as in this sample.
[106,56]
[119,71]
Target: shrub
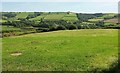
[52,28]
[71,27]
[60,27]
[45,29]
[44,25]
[78,26]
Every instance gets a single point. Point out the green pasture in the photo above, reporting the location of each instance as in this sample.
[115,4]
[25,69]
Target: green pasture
[38,18]
[95,20]
[23,14]
[9,28]
[70,17]
[54,16]
[68,50]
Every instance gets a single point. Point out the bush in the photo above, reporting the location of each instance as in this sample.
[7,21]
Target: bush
[45,29]
[78,26]
[10,14]
[44,26]
[71,27]
[52,28]
[60,27]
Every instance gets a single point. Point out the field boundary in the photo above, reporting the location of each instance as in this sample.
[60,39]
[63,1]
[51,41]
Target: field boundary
[0,40]
[118,38]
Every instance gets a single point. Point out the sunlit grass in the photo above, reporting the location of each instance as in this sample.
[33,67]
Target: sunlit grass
[69,50]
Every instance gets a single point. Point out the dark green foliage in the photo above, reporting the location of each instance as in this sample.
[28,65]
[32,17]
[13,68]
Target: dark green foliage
[37,13]
[78,25]
[100,24]
[85,17]
[53,27]
[72,26]
[44,29]
[22,19]
[98,14]
[33,15]
[9,14]
[60,27]
[92,26]
[30,16]
[44,25]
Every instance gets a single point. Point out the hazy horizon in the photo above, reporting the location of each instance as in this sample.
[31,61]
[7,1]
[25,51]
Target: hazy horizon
[77,7]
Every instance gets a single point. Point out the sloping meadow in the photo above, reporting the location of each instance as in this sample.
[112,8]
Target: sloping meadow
[68,50]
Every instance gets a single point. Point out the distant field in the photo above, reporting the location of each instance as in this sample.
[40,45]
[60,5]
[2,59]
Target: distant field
[95,20]
[9,28]
[87,23]
[38,18]
[70,17]
[23,14]
[108,15]
[70,50]
[115,20]
[54,16]
[3,20]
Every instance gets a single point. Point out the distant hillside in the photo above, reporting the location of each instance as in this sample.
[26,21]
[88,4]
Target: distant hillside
[31,22]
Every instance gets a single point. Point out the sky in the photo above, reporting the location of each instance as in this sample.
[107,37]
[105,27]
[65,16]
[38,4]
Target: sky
[78,6]
[60,0]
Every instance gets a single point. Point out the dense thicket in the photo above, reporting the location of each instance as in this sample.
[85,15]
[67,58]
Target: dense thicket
[9,14]
[85,17]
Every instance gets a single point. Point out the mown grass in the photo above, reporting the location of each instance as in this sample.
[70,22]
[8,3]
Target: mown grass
[70,50]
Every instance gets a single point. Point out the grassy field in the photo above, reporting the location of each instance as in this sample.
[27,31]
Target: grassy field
[70,50]
[108,15]
[14,31]
[95,20]
[9,28]
[115,20]
[70,17]
[23,14]
[38,18]
[54,16]
[1,21]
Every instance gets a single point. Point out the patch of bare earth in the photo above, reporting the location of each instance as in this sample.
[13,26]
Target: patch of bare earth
[16,54]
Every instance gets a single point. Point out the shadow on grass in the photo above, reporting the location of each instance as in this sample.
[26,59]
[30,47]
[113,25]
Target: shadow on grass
[114,68]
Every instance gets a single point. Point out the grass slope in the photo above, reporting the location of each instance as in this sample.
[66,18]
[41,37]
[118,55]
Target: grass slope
[70,50]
